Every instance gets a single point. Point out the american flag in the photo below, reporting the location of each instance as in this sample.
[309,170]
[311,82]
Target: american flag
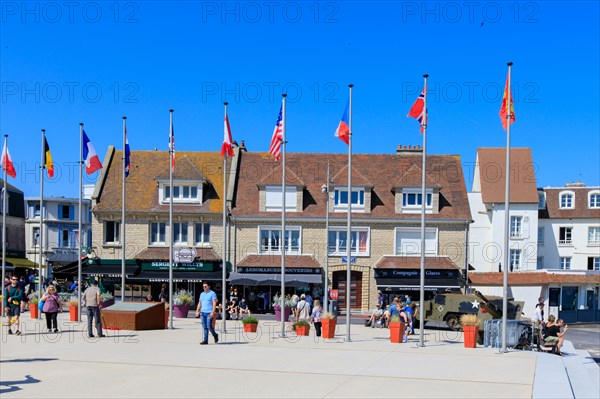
[277,139]
[172,145]
[418,110]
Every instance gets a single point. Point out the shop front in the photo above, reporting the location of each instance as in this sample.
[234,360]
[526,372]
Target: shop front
[109,272]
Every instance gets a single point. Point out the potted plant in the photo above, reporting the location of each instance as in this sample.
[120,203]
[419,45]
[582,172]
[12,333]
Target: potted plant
[470,326]
[250,324]
[106,300]
[328,324]
[73,310]
[182,300]
[288,303]
[397,328]
[302,327]
[34,301]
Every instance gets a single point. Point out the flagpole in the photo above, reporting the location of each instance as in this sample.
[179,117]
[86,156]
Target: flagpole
[326,293]
[506,212]
[282,238]
[4,205]
[123,192]
[423,206]
[349,227]
[224,271]
[79,221]
[42,167]
[171,154]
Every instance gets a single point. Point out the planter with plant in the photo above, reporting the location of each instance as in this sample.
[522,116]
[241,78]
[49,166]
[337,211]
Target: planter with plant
[34,301]
[328,324]
[397,329]
[250,324]
[470,326]
[182,300]
[288,303]
[106,300]
[301,327]
[73,310]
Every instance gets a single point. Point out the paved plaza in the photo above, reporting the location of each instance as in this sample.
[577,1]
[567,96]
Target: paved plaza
[171,363]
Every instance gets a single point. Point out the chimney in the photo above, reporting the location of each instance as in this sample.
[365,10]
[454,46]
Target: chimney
[243,146]
[409,149]
[578,184]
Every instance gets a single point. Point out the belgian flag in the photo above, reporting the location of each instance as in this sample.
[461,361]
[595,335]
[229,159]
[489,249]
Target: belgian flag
[48,159]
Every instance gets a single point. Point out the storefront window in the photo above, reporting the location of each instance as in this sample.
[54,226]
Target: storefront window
[569,298]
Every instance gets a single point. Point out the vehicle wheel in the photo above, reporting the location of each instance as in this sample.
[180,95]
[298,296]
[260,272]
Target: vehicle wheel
[452,321]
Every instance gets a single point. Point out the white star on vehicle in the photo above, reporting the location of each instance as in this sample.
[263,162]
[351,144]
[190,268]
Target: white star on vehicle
[475,304]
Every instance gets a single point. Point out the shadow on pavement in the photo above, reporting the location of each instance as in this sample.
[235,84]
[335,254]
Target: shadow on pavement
[13,386]
[34,359]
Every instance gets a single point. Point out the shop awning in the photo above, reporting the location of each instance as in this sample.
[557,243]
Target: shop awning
[109,270]
[274,279]
[21,262]
[403,284]
[154,276]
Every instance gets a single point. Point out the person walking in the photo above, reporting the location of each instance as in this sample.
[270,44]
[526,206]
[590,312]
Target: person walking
[316,315]
[302,309]
[12,304]
[91,300]
[52,305]
[207,304]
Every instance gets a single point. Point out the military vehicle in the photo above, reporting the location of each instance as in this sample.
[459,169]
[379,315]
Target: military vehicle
[448,307]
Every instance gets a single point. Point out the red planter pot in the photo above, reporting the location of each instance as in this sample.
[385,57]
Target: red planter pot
[470,336]
[397,332]
[328,327]
[181,311]
[250,327]
[73,313]
[302,330]
[34,311]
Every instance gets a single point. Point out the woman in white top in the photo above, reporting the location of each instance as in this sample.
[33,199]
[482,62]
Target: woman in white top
[316,315]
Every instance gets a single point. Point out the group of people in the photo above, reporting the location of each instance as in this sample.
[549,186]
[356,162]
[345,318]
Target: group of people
[403,309]
[551,329]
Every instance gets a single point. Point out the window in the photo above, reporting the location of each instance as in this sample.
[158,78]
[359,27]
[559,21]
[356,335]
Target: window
[593,263]
[569,298]
[541,200]
[64,238]
[515,259]
[566,200]
[413,199]
[338,238]
[202,233]
[565,235]
[273,199]
[357,198]
[594,199]
[186,194]
[112,232]
[35,237]
[157,233]
[540,262]
[516,227]
[594,235]
[540,236]
[565,262]
[270,240]
[408,241]
[36,210]
[65,212]
[180,233]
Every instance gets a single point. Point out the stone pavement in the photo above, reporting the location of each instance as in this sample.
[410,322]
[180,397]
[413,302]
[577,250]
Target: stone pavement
[171,363]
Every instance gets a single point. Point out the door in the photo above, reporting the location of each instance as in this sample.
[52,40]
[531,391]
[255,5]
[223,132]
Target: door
[339,283]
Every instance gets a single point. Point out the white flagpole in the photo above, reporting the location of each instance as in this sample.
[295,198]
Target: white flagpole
[506,214]
[282,237]
[224,271]
[423,205]
[4,206]
[349,227]
[41,244]
[81,161]
[123,192]
[326,290]
[171,153]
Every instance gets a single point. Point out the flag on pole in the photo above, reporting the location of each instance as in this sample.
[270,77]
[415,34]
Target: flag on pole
[277,139]
[172,146]
[92,162]
[48,159]
[227,148]
[504,108]
[7,163]
[127,153]
[418,110]
[343,130]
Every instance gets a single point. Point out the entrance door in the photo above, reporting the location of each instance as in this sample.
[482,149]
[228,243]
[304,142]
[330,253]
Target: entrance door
[339,282]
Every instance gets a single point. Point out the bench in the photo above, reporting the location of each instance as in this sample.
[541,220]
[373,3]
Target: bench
[543,346]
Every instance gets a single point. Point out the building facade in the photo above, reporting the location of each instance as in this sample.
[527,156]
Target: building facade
[15,227]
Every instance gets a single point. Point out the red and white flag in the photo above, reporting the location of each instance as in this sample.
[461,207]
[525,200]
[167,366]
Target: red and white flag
[277,139]
[227,148]
[7,163]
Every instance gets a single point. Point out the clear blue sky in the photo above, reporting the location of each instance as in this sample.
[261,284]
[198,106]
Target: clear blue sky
[94,62]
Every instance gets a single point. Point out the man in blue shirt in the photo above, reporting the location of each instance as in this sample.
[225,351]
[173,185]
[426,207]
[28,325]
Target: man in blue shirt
[207,304]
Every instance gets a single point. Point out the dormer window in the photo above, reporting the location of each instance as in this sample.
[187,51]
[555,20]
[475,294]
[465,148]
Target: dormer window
[183,193]
[567,200]
[357,198]
[594,200]
[273,199]
[412,200]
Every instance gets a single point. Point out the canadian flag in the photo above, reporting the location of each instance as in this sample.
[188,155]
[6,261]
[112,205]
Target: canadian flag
[7,163]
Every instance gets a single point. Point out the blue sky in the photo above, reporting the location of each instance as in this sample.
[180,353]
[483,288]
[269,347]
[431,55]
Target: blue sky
[94,62]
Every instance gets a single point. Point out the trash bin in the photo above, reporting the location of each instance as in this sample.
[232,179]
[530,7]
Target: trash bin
[333,308]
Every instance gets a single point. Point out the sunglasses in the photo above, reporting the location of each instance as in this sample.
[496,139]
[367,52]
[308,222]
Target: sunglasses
[14,279]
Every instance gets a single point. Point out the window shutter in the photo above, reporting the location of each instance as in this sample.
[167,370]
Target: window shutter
[71,212]
[526,227]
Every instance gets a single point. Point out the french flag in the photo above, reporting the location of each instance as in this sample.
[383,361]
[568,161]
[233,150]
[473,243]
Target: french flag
[343,130]
[92,162]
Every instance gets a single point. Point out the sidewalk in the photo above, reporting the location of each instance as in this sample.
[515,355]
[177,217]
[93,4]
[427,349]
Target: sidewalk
[171,363]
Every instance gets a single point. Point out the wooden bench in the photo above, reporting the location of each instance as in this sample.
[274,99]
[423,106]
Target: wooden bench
[543,346]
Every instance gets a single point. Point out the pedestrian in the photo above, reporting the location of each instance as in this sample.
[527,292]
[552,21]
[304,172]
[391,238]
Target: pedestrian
[91,300]
[52,305]
[207,304]
[12,304]
[164,293]
[408,310]
[538,316]
[317,314]
[24,299]
[302,309]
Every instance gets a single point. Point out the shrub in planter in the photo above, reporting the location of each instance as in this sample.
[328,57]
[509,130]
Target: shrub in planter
[73,310]
[106,300]
[250,324]
[328,324]
[34,302]
[182,301]
[301,327]
[470,326]
[397,329]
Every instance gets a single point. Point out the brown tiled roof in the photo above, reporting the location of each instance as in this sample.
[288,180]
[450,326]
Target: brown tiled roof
[380,171]
[341,177]
[581,210]
[413,176]
[533,278]
[142,187]
[492,165]
[414,262]
[275,176]
[163,253]
[275,261]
